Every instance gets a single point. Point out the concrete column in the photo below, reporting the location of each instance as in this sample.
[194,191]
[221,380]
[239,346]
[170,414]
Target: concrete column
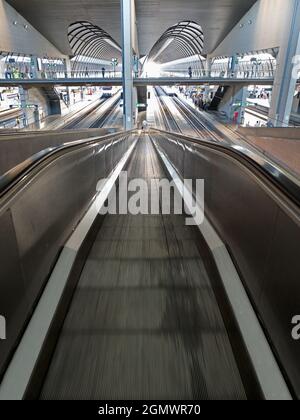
[208,66]
[37,117]
[206,92]
[68,68]
[126,12]
[234,102]
[232,65]
[24,105]
[34,68]
[285,80]
[82,93]
[68,75]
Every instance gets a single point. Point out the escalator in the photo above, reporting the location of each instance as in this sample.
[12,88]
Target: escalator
[145,313]
[218,97]
[144,322]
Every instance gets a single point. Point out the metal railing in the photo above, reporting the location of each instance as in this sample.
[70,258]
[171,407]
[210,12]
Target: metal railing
[52,75]
[241,72]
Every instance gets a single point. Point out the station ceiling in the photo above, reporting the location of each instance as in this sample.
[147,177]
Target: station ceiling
[52,18]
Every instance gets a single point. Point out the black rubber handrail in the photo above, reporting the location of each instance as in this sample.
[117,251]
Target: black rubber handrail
[276,175]
[289,185]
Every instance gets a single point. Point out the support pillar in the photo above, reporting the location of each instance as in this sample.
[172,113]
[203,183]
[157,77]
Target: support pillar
[37,117]
[206,93]
[24,105]
[68,74]
[208,65]
[285,79]
[126,16]
[234,102]
[34,68]
[232,65]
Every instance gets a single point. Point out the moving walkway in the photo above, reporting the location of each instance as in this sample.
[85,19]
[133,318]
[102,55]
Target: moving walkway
[145,307]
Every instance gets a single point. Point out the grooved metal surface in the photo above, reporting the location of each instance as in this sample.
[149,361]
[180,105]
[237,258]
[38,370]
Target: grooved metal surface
[144,322]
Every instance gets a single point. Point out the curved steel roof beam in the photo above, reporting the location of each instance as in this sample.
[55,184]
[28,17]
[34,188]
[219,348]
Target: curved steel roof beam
[92,42]
[186,39]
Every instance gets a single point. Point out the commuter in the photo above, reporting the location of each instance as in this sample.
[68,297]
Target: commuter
[145,126]
[27,72]
[16,73]
[206,106]
[103,72]
[86,72]
[8,73]
[190,72]
[201,103]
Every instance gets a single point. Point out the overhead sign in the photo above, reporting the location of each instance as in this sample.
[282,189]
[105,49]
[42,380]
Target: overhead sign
[244,104]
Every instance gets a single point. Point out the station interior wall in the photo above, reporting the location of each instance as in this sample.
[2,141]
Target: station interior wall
[19,36]
[36,97]
[260,29]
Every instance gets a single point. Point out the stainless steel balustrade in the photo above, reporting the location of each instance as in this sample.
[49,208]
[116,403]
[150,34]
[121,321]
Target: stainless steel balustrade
[17,147]
[38,214]
[260,226]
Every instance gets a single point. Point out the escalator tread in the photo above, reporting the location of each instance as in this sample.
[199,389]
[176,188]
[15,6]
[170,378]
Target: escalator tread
[144,322]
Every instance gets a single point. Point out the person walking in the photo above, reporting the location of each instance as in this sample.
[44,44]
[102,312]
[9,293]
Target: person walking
[103,72]
[190,72]
[8,73]
[145,126]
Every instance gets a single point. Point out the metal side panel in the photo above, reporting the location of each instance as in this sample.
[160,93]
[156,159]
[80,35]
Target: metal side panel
[281,294]
[13,303]
[242,212]
[47,210]
[25,372]
[38,214]
[260,227]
